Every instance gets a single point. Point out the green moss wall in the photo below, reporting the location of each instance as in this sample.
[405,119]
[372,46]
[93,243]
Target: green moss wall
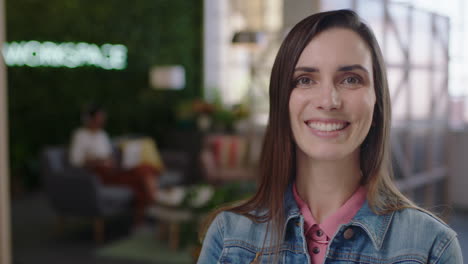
[44,103]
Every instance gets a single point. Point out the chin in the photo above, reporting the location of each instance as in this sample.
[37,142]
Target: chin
[327,157]
[326,154]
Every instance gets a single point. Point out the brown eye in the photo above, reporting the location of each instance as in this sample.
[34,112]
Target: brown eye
[351,80]
[303,82]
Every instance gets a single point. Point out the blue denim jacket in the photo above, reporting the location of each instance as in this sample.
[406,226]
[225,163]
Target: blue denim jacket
[405,236]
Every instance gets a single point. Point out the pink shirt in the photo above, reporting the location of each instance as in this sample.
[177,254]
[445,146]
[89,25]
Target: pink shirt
[319,235]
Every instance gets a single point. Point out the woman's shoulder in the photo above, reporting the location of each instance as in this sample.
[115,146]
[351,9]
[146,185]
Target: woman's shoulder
[235,222]
[85,132]
[234,237]
[79,131]
[237,228]
[416,218]
[414,226]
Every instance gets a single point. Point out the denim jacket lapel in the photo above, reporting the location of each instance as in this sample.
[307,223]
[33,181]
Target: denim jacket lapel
[376,226]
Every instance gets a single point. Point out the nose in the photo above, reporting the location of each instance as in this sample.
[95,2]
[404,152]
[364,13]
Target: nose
[329,98]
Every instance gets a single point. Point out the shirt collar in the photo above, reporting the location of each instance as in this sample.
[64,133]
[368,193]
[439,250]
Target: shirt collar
[376,226]
[343,215]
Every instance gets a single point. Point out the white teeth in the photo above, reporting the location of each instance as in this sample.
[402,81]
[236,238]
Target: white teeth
[327,127]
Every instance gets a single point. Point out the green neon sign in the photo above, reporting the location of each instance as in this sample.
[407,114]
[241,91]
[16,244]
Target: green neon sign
[66,54]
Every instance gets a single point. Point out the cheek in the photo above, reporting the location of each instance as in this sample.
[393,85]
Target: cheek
[366,107]
[362,105]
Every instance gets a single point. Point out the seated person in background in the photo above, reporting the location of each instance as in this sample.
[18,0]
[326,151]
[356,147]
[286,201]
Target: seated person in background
[91,148]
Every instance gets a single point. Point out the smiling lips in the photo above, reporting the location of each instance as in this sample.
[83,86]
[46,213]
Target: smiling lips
[327,126]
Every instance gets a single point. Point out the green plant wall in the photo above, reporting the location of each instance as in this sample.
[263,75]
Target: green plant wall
[45,103]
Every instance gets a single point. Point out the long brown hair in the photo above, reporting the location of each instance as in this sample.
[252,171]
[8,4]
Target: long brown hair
[278,160]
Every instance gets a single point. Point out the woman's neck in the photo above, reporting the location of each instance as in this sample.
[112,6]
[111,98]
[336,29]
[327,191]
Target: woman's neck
[326,185]
[92,129]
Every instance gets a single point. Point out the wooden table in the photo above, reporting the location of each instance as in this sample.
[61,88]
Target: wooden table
[170,219]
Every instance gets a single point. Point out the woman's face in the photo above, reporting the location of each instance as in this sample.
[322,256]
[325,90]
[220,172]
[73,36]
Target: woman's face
[98,120]
[332,103]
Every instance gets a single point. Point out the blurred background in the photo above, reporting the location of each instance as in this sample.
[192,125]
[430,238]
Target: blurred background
[187,82]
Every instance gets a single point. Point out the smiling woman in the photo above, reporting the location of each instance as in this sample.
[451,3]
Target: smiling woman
[326,193]
[333,101]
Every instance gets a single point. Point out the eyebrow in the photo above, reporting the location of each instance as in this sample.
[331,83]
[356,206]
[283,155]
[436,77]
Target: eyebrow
[341,68]
[353,67]
[306,69]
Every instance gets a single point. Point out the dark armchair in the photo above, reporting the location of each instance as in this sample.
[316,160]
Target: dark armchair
[77,192]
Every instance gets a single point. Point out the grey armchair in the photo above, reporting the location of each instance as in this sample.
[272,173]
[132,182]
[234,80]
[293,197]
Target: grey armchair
[77,192]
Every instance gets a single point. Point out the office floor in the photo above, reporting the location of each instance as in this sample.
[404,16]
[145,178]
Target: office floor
[36,240]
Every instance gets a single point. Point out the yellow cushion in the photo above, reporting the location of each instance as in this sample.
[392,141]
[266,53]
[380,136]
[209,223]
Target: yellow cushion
[140,151]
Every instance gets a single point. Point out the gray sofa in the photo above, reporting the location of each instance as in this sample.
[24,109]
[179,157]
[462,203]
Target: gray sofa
[77,192]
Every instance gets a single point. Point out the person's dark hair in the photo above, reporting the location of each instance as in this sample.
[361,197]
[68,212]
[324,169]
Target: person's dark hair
[278,160]
[90,111]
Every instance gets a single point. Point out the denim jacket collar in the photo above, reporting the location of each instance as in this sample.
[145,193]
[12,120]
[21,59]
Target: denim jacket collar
[376,226]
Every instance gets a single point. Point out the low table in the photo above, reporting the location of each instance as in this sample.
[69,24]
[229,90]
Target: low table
[170,220]
[171,211]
